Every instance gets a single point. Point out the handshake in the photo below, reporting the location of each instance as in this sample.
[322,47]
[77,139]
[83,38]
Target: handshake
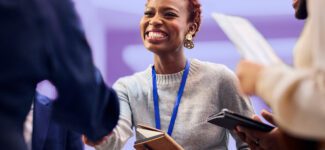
[94,143]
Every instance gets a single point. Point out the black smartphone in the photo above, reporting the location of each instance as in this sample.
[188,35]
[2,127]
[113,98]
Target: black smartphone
[230,120]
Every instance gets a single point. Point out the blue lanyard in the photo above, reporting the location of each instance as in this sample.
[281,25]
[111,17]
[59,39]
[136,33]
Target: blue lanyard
[177,102]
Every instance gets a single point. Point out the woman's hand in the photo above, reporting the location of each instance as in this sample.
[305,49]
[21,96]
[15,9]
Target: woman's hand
[248,73]
[93,143]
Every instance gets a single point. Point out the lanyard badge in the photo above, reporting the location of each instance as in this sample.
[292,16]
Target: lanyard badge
[177,102]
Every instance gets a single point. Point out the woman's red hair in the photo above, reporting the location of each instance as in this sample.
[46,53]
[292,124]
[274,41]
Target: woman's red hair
[195,13]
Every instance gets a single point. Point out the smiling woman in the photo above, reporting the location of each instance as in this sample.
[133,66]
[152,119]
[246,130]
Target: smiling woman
[176,94]
[164,26]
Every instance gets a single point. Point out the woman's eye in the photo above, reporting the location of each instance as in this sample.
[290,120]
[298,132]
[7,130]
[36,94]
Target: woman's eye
[148,13]
[170,14]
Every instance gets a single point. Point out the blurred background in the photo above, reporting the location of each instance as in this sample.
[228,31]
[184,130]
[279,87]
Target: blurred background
[112,28]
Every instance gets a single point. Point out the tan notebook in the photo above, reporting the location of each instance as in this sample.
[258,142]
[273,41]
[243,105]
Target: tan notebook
[154,139]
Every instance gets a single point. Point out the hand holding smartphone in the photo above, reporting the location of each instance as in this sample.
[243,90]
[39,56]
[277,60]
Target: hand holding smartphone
[230,120]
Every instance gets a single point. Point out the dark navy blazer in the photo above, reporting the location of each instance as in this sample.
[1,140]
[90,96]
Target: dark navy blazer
[47,134]
[43,40]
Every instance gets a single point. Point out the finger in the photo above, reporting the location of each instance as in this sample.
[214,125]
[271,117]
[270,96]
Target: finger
[249,134]
[255,117]
[93,143]
[268,116]
[86,141]
[241,135]
[252,134]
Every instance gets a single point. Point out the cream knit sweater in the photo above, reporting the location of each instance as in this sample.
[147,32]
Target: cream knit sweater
[209,88]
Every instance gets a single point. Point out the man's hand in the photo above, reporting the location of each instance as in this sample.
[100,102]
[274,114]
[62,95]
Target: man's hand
[93,143]
[258,140]
[248,73]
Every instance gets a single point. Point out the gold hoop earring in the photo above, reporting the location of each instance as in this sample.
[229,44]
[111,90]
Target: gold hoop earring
[188,43]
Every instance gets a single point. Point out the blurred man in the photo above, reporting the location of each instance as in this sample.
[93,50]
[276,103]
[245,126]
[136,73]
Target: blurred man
[296,94]
[43,39]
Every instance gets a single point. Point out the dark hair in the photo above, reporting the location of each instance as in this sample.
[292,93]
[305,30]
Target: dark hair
[195,13]
[301,11]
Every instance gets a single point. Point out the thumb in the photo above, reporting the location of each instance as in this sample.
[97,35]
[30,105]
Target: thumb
[255,117]
[268,116]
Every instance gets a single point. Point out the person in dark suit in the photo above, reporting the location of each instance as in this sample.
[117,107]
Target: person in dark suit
[43,40]
[49,135]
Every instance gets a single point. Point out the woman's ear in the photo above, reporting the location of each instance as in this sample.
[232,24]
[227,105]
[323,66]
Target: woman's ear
[193,29]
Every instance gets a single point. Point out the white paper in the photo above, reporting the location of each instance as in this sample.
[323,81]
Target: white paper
[249,42]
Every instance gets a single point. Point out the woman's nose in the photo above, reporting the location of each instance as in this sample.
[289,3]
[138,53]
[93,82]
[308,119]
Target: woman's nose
[155,21]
